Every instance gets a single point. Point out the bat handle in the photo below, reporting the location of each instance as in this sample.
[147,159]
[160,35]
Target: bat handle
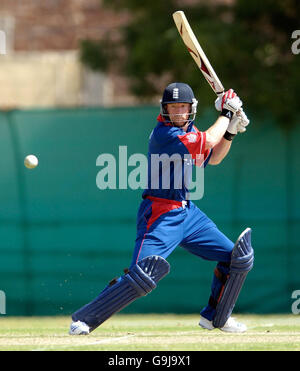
[239,111]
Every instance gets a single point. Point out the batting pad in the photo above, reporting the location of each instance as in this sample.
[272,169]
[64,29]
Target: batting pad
[138,281]
[241,263]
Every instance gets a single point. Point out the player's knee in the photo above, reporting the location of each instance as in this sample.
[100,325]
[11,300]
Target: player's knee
[242,257]
[148,271]
[144,275]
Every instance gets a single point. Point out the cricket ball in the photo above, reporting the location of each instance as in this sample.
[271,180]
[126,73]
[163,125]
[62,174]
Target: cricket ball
[31,161]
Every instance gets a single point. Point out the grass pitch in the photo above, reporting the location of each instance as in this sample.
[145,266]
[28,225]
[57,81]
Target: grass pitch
[150,333]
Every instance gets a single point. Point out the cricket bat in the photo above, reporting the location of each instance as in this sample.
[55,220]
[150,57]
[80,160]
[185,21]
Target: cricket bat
[197,52]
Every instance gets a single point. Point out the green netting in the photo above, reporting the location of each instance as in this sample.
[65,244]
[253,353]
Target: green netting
[62,239]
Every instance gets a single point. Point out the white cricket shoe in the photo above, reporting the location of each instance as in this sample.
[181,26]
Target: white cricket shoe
[79,328]
[230,326]
[205,323]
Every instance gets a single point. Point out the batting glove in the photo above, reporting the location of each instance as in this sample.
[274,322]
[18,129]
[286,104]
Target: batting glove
[238,123]
[229,101]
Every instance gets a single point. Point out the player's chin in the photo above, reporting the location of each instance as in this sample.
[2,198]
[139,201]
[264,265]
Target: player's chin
[180,123]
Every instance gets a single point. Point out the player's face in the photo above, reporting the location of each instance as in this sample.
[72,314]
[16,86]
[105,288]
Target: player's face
[179,112]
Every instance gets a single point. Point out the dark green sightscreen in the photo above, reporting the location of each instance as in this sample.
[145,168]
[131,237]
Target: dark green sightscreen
[63,239]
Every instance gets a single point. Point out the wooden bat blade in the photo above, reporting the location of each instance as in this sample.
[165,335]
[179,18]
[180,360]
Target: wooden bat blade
[197,52]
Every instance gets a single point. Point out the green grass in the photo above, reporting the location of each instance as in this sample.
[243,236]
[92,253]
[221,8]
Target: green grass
[150,333]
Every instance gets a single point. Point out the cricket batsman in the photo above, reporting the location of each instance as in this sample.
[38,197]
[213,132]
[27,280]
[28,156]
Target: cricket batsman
[167,218]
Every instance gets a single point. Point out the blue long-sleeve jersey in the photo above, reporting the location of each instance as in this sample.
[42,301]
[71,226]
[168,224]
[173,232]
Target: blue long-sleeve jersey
[171,155]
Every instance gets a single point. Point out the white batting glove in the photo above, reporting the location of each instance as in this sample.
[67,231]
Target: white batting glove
[229,101]
[244,121]
[238,123]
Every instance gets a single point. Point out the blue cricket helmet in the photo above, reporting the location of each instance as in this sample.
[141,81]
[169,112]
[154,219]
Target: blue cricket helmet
[178,92]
